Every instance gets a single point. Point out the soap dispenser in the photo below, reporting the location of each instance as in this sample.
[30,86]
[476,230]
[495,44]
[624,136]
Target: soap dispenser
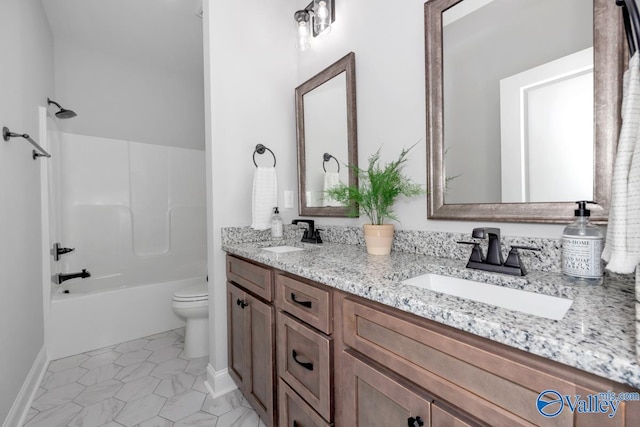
[276,224]
[582,244]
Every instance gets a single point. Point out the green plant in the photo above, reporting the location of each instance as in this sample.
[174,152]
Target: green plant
[378,188]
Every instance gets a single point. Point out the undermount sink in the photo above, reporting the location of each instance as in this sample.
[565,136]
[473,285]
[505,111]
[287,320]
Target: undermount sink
[282,249]
[533,303]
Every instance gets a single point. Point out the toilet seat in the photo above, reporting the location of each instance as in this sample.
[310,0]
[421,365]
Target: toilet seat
[192,293]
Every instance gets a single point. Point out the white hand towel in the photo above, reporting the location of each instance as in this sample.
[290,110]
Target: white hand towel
[331,180]
[622,247]
[265,197]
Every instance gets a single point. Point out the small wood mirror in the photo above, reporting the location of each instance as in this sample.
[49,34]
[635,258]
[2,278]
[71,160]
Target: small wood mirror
[327,138]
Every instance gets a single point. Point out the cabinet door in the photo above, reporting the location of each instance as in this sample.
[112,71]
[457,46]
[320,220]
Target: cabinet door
[261,389]
[380,399]
[250,331]
[237,332]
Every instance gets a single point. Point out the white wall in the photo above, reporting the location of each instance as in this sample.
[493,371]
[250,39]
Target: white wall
[390,80]
[26,79]
[117,97]
[250,68]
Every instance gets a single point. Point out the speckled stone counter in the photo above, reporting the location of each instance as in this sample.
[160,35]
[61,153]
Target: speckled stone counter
[596,335]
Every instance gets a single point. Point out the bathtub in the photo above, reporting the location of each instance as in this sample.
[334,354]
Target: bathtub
[99,312]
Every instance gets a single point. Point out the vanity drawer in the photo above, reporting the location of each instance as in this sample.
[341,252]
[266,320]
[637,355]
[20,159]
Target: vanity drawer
[305,363]
[296,412]
[496,389]
[305,301]
[252,277]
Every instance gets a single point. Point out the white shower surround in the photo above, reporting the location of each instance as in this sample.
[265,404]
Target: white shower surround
[135,214]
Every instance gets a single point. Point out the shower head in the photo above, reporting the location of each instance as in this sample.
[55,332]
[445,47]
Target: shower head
[63,113]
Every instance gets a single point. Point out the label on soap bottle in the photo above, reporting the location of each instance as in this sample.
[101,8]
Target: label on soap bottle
[581,256]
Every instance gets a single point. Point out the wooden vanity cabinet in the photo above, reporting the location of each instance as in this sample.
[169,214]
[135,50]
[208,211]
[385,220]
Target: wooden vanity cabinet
[471,380]
[343,360]
[251,337]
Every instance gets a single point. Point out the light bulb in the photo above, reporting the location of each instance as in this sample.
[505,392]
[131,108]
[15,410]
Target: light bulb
[321,18]
[303,36]
[323,11]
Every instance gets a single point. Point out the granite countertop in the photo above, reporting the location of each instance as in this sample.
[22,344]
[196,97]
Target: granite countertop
[596,335]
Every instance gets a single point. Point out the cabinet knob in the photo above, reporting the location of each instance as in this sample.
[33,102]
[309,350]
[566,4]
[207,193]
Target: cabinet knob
[241,303]
[415,422]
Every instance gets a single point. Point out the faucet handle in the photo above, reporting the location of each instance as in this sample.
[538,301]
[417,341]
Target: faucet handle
[476,252]
[526,248]
[513,259]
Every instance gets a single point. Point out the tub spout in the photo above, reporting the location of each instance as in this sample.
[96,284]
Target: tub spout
[60,277]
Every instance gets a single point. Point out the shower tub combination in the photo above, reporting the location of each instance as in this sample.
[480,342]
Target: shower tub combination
[113,310]
[135,214]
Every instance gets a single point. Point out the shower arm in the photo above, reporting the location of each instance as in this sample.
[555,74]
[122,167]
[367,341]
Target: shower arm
[7,134]
[54,103]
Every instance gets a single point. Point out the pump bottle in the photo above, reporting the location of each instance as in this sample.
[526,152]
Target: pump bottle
[582,244]
[276,224]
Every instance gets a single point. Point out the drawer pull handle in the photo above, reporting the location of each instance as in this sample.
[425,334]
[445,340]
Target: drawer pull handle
[415,422]
[241,303]
[304,303]
[305,365]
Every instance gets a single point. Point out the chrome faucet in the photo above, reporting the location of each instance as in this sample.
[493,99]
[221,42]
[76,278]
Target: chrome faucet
[61,277]
[494,261]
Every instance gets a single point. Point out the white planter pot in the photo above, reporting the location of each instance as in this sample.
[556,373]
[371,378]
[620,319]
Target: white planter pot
[378,238]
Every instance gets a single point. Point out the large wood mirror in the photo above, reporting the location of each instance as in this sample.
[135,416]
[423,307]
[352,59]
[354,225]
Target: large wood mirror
[327,136]
[508,140]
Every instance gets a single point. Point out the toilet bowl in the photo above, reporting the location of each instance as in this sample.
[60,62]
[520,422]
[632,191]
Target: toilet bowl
[192,304]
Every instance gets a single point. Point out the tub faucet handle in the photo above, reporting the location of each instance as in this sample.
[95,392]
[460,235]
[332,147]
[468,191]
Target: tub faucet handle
[58,250]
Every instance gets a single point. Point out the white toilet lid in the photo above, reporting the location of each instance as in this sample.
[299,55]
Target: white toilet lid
[199,291]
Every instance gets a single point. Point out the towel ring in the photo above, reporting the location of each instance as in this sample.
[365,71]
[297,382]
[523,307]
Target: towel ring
[326,157]
[260,150]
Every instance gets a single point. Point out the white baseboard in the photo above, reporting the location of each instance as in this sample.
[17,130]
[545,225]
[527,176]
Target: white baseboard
[20,408]
[219,383]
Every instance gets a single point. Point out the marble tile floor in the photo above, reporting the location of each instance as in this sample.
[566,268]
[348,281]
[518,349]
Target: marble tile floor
[146,382]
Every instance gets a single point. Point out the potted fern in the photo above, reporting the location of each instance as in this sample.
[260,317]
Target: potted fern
[377,192]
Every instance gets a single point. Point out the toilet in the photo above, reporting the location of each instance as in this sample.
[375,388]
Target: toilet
[192,304]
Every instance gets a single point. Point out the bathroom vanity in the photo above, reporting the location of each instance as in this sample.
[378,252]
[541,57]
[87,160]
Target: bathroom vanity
[329,336]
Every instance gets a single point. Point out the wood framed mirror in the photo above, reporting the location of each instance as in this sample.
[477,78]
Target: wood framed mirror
[327,136]
[446,126]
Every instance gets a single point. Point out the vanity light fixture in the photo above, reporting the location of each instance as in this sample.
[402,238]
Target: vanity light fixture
[314,19]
